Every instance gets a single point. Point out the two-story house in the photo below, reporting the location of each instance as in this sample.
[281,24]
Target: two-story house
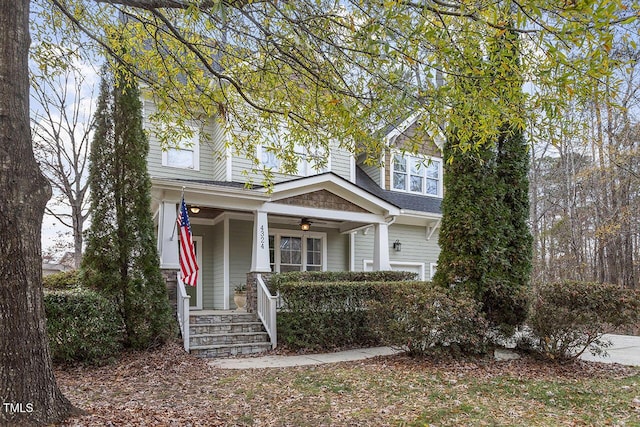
[347,216]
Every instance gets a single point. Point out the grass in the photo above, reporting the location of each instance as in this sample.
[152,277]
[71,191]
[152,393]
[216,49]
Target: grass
[176,389]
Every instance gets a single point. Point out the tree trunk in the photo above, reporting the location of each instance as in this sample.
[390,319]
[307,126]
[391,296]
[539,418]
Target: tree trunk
[28,391]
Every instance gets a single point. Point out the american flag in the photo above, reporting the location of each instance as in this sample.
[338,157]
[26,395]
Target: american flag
[188,264]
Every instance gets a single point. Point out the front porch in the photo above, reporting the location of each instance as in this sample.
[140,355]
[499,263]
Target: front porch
[241,231]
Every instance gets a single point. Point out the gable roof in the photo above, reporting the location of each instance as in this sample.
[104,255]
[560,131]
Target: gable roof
[404,201]
[392,131]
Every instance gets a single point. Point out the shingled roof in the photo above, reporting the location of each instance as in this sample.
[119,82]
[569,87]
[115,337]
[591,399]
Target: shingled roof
[406,201]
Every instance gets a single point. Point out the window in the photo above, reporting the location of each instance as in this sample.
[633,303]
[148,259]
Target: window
[309,161]
[414,174]
[290,254]
[184,154]
[290,250]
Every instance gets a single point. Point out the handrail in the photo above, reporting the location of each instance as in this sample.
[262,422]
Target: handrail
[183,312]
[267,310]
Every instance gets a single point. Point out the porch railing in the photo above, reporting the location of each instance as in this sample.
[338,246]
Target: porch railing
[183,312]
[267,310]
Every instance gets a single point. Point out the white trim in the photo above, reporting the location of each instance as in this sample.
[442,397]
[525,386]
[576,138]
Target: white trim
[352,251]
[432,269]
[308,212]
[159,228]
[226,275]
[352,168]
[336,185]
[367,265]
[192,144]
[409,157]
[383,173]
[279,232]
[229,165]
[431,228]
[197,240]
[438,139]
[401,128]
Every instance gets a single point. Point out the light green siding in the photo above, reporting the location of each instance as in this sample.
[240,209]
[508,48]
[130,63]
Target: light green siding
[215,295]
[337,251]
[415,246]
[240,242]
[373,172]
[217,142]
[209,159]
[341,162]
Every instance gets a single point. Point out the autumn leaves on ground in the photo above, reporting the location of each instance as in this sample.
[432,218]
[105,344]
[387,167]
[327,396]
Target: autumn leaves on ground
[168,387]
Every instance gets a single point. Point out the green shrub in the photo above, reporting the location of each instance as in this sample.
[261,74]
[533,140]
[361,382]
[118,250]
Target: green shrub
[82,326]
[325,315]
[568,318]
[339,276]
[62,280]
[428,320]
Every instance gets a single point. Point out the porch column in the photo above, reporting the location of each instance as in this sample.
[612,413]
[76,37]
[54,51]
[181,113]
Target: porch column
[168,236]
[381,247]
[260,248]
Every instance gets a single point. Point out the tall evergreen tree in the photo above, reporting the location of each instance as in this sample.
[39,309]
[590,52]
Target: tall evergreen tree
[485,240]
[505,300]
[121,257]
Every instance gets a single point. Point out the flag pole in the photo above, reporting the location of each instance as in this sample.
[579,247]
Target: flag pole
[175,223]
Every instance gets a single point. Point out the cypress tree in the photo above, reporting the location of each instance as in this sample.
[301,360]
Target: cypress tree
[484,238]
[121,258]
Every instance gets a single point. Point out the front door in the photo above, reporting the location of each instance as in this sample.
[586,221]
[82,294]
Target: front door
[195,292]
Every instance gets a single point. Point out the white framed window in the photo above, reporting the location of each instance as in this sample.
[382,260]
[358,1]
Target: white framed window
[432,270]
[185,153]
[309,160]
[416,174]
[293,250]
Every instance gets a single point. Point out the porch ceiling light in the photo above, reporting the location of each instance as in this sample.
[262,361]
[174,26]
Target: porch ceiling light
[305,224]
[194,209]
[397,245]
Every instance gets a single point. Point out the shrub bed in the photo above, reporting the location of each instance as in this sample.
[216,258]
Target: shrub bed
[568,318]
[82,325]
[428,320]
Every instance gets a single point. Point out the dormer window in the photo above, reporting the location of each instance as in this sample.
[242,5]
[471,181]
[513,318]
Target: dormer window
[185,153]
[417,174]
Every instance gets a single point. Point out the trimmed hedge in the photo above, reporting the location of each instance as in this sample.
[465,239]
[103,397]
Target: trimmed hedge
[82,325]
[568,318]
[340,276]
[428,320]
[62,280]
[325,315]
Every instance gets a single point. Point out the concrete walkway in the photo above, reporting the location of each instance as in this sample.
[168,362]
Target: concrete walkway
[625,351]
[301,360]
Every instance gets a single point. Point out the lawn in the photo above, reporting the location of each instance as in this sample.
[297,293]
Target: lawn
[167,387]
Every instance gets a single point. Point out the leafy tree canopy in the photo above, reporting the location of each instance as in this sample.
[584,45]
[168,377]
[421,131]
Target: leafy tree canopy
[342,69]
